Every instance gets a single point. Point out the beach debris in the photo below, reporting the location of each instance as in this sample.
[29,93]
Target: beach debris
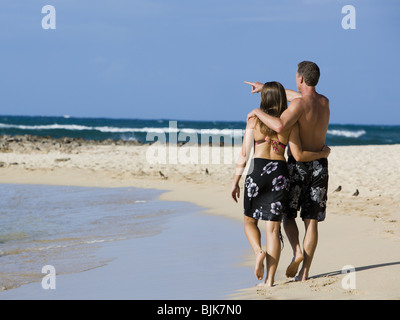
[207,171]
[62,159]
[355,194]
[163,175]
[2,164]
[338,189]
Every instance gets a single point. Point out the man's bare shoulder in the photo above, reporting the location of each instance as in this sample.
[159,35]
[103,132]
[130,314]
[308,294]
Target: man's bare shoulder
[297,104]
[322,97]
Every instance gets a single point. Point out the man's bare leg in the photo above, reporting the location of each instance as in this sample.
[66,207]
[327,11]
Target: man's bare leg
[253,235]
[309,246]
[273,250]
[292,232]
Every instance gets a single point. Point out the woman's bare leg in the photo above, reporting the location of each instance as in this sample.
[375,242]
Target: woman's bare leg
[253,235]
[273,250]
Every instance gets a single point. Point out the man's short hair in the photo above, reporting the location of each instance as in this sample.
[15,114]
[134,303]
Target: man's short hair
[310,72]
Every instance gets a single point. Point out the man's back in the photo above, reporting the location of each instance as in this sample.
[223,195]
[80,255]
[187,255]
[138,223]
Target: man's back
[314,121]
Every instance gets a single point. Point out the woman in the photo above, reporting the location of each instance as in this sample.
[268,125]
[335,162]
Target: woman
[267,181]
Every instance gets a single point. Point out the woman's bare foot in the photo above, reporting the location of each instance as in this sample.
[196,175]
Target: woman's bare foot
[267,283]
[294,265]
[259,268]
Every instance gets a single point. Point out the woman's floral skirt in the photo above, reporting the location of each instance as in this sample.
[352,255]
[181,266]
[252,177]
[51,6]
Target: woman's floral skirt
[266,189]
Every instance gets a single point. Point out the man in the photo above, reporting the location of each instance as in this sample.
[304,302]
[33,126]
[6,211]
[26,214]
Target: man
[308,180]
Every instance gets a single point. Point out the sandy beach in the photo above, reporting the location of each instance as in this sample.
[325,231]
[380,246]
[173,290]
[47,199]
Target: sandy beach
[361,231]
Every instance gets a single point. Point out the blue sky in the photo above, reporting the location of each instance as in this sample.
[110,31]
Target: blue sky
[187,60]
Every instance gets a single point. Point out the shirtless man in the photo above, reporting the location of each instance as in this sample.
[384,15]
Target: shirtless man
[308,180]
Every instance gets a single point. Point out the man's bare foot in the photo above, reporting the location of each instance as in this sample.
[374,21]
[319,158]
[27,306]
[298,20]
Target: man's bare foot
[259,268]
[302,276]
[294,266]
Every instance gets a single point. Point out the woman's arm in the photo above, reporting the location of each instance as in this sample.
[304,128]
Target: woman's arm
[248,143]
[297,151]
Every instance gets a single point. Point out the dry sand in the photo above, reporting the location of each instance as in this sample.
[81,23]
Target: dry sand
[361,231]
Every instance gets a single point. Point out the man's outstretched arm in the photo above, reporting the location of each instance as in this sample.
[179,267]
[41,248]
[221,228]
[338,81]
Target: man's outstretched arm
[291,95]
[257,87]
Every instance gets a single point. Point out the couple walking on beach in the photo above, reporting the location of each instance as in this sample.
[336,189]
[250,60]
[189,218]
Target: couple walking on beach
[275,189]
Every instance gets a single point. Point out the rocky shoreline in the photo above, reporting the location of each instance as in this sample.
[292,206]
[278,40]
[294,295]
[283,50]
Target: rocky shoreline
[38,144]
[44,144]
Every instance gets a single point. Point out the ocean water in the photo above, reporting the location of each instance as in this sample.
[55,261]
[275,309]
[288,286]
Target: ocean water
[148,131]
[64,225]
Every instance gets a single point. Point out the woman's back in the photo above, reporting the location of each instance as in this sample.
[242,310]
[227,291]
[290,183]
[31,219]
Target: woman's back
[270,147]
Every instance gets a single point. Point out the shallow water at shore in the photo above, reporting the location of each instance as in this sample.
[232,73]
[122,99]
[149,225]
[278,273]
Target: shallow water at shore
[134,238]
[63,225]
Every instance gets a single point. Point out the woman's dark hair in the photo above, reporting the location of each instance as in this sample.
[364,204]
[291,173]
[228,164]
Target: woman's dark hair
[273,102]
